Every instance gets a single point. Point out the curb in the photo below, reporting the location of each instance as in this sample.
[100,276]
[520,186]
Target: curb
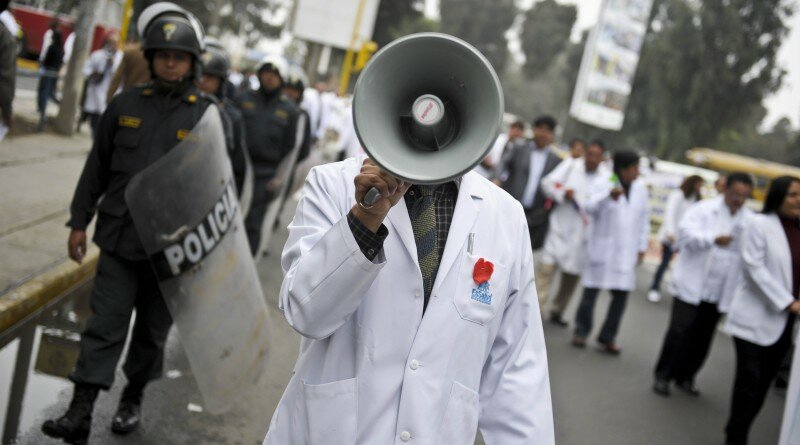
[24,300]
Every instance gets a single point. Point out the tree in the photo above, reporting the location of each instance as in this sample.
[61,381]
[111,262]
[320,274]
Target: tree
[255,19]
[545,33]
[397,17]
[73,81]
[411,26]
[703,66]
[482,23]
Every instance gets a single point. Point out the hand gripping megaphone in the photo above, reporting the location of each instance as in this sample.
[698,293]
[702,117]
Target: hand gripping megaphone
[427,109]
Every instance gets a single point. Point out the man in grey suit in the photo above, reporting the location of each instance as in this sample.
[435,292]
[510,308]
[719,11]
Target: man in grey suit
[521,171]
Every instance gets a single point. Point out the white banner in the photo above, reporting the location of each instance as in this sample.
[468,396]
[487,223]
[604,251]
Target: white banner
[331,22]
[609,63]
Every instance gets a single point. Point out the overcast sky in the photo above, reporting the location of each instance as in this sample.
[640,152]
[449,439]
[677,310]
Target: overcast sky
[784,103]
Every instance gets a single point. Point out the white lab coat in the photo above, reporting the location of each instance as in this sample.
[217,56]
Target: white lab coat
[97,92]
[677,204]
[565,244]
[371,369]
[758,311]
[311,104]
[619,232]
[705,271]
[495,155]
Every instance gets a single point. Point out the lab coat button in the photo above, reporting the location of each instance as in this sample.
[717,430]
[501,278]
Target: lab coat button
[405,436]
[414,365]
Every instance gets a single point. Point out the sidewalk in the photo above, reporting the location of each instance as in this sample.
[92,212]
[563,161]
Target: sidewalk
[38,174]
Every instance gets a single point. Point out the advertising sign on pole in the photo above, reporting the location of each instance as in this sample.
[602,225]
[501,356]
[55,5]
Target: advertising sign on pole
[609,63]
[331,23]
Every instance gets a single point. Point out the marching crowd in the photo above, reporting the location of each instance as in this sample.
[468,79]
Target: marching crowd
[588,217]
[586,211]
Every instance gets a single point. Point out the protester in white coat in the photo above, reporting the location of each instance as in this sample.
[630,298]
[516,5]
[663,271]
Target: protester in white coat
[706,276]
[99,68]
[678,202]
[616,243]
[379,366]
[504,141]
[570,186]
[763,311]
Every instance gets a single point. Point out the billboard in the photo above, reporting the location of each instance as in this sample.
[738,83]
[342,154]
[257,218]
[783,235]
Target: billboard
[609,63]
[331,22]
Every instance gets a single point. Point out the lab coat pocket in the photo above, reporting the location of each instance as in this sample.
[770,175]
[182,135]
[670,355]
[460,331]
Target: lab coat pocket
[597,250]
[332,412]
[479,303]
[460,421]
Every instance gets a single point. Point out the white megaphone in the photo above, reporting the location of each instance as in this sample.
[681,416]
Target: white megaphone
[427,109]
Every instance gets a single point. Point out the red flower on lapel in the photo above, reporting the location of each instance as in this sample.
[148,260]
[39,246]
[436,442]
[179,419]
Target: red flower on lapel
[483,271]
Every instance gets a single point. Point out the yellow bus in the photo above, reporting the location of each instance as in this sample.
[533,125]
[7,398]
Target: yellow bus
[763,171]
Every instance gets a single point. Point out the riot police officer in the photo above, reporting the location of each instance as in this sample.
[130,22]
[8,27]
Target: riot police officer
[293,89]
[270,125]
[139,126]
[213,81]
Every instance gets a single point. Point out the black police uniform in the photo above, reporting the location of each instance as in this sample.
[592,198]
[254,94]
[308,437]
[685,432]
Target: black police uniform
[270,125]
[235,138]
[138,127]
[303,152]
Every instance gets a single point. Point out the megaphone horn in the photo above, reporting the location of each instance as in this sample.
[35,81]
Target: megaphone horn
[427,108]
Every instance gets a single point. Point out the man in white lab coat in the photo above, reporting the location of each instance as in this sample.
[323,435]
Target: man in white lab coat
[616,244]
[570,186]
[99,68]
[704,280]
[406,339]
[504,142]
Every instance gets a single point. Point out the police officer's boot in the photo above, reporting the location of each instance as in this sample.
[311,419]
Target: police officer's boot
[127,417]
[75,424]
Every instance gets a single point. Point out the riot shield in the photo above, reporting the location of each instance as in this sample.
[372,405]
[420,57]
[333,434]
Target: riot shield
[285,170]
[185,209]
[246,195]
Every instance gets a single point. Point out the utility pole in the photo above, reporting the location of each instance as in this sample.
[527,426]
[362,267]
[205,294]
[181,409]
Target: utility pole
[73,81]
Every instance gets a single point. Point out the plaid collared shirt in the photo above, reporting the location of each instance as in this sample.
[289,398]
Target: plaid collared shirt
[444,197]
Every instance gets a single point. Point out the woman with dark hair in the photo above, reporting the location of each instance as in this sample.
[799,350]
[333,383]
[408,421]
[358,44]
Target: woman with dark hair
[677,203]
[616,243]
[763,310]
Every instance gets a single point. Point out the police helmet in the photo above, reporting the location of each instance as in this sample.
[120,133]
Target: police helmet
[212,42]
[149,14]
[215,63]
[274,63]
[297,79]
[171,31]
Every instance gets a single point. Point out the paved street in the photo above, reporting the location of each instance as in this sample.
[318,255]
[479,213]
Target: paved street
[598,399]
[38,174]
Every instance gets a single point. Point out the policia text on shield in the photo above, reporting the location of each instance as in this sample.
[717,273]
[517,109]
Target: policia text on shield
[142,128]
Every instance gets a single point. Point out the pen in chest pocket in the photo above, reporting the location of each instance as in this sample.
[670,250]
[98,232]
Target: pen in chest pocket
[470,243]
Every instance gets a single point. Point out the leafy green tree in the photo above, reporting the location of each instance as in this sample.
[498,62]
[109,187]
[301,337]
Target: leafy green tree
[256,19]
[483,23]
[415,25]
[545,34]
[550,91]
[396,18]
[703,66]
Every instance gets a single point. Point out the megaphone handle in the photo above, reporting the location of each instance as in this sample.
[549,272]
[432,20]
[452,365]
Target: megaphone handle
[371,197]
